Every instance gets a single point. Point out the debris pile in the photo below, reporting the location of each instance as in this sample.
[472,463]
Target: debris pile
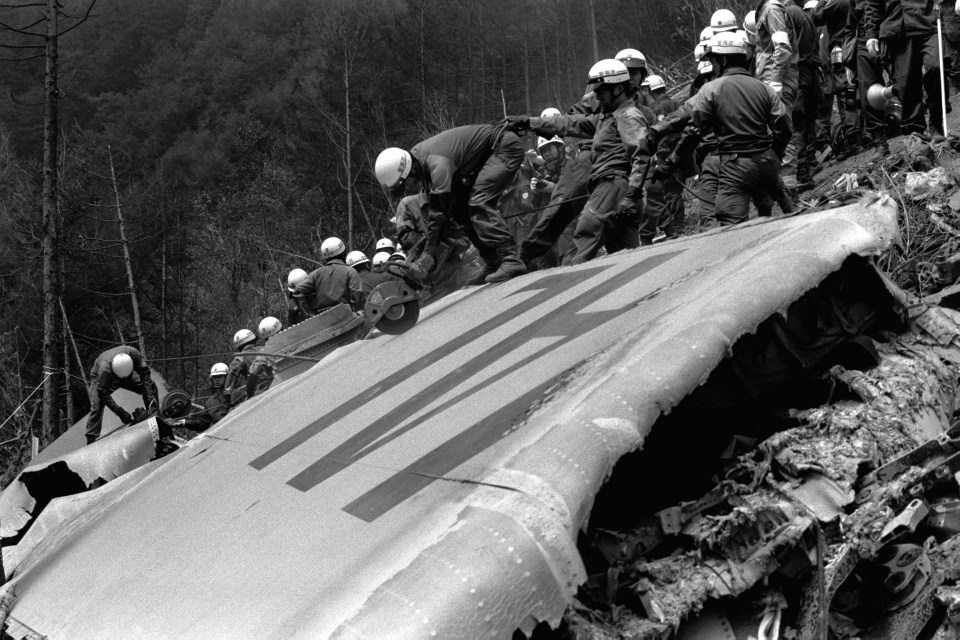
[833,508]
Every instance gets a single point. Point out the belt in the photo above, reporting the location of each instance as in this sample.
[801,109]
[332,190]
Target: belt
[593,182]
[732,155]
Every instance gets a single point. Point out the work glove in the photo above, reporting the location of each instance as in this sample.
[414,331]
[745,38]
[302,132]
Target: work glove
[776,86]
[628,208]
[956,8]
[647,146]
[873,47]
[517,124]
[665,168]
[125,418]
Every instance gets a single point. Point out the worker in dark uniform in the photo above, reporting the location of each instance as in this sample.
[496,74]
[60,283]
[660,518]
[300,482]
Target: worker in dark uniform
[839,64]
[369,279]
[777,56]
[332,284]
[611,217]
[464,171]
[238,373]
[295,314]
[201,418]
[665,206]
[411,227]
[751,124]
[570,194]
[262,369]
[908,31]
[112,370]
[809,93]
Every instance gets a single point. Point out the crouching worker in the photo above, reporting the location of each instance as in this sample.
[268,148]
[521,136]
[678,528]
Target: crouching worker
[180,412]
[261,370]
[113,370]
[752,129]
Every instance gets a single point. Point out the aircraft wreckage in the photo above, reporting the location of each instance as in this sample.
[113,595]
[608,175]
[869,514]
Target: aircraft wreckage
[749,432]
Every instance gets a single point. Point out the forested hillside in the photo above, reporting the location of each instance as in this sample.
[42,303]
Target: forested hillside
[233,135]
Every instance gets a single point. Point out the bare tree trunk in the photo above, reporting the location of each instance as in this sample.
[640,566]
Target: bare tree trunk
[347,58]
[423,56]
[50,242]
[126,258]
[483,61]
[163,278]
[76,352]
[593,29]
[71,408]
[526,70]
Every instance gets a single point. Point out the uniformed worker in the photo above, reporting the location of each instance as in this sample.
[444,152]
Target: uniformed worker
[611,216]
[235,387]
[112,370]
[908,31]
[261,369]
[295,314]
[665,206]
[777,55]
[464,171]
[369,279]
[751,125]
[214,407]
[332,284]
[411,228]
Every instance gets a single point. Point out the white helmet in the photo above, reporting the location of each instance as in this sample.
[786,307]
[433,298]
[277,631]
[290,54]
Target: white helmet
[392,166]
[750,23]
[727,43]
[385,244]
[723,20]
[268,327]
[357,257]
[542,142]
[632,59]
[122,365]
[331,248]
[699,50]
[608,71]
[705,67]
[380,258]
[397,255]
[219,369]
[656,82]
[242,338]
[550,112]
[706,34]
[295,277]
[810,4]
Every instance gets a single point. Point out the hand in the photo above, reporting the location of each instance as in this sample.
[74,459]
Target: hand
[125,418]
[647,146]
[627,209]
[776,86]
[534,181]
[956,8]
[517,124]
[665,168]
[873,47]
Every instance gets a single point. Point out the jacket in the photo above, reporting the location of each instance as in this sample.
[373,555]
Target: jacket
[777,53]
[332,284]
[106,381]
[615,138]
[899,18]
[746,115]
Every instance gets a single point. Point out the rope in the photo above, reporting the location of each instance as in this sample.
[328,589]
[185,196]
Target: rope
[46,374]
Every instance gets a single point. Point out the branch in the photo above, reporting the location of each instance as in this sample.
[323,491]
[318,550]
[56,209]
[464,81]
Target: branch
[22,46]
[82,20]
[22,30]
[39,55]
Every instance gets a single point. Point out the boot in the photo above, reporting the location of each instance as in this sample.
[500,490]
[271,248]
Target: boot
[936,132]
[510,266]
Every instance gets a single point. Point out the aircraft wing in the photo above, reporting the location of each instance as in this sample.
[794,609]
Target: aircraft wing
[430,484]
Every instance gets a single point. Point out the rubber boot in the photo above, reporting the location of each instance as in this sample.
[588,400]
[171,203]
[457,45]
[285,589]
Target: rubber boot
[511,266]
